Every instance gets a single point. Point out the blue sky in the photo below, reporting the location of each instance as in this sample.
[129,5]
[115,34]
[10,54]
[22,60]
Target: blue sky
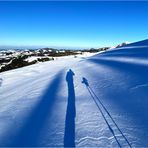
[72,24]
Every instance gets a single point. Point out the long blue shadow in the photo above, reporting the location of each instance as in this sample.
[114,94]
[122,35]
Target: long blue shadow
[29,134]
[69,135]
[138,71]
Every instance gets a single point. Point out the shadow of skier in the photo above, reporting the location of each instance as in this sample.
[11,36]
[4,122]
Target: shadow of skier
[69,135]
[103,109]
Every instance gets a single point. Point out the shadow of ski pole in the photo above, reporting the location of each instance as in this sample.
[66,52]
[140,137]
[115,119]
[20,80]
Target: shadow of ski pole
[93,95]
[111,117]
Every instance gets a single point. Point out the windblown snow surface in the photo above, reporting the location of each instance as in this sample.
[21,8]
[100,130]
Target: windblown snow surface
[98,101]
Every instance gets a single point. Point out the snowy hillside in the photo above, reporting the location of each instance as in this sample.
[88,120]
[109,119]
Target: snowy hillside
[98,101]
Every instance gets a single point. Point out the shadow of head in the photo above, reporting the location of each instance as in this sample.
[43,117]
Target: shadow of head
[69,76]
[85,81]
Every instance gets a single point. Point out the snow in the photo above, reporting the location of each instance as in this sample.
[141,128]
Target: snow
[30,59]
[96,101]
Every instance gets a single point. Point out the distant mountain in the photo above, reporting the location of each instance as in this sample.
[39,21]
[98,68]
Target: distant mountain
[3,47]
[9,47]
[122,44]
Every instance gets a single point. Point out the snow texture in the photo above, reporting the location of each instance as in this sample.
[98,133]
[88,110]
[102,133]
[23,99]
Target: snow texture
[97,101]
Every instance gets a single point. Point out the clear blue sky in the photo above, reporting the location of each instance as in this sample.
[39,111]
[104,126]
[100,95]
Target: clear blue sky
[72,24]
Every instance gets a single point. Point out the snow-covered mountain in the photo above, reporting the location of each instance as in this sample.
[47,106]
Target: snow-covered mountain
[98,101]
[122,44]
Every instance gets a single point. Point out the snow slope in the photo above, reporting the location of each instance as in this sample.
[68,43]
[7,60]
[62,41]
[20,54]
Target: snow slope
[101,102]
